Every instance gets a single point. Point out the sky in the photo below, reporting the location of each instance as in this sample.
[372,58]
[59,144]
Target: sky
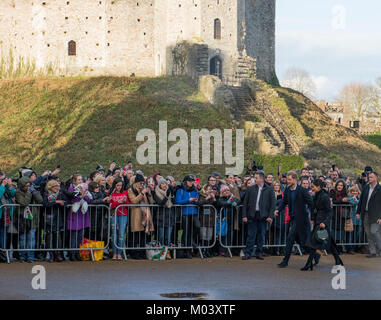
[336,42]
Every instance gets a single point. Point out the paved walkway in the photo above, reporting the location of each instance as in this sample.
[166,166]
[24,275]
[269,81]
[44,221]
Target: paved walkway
[219,278]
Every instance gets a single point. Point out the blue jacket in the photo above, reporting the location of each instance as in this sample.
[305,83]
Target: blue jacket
[11,193]
[182,197]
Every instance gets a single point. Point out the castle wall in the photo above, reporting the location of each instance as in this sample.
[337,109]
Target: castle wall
[112,36]
[257,29]
[120,37]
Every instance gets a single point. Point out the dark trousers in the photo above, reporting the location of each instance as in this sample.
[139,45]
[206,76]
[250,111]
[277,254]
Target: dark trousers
[191,230]
[291,238]
[256,232]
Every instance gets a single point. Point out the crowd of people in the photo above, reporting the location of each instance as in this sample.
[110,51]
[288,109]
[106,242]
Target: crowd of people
[257,209]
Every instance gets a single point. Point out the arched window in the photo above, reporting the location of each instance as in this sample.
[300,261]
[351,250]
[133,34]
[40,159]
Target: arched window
[72,48]
[217,29]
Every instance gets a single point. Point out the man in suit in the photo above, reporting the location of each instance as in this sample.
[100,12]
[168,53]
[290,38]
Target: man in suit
[258,209]
[369,210]
[297,199]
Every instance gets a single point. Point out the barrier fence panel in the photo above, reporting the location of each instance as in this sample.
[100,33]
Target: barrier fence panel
[150,226]
[34,232]
[236,230]
[347,231]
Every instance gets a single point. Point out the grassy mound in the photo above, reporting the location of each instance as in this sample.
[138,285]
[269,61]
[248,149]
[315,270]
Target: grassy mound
[80,122]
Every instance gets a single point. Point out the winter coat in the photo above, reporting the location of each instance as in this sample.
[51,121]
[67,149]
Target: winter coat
[54,214]
[374,206]
[341,210]
[164,217]
[114,202]
[207,213]
[280,220]
[98,215]
[6,195]
[266,202]
[77,220]
[25,199]
[183,195]
[322,213]
[138,215]
[299,214]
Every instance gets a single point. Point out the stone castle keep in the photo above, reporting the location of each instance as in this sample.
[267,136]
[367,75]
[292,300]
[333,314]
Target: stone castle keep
[231,39]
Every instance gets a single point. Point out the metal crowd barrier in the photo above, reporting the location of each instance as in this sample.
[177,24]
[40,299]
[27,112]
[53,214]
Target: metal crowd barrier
[41,230]
[345,228]
[49,231]
[277,231]
[173,227]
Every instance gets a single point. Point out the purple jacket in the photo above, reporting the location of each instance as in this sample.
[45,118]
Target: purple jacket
[78,220]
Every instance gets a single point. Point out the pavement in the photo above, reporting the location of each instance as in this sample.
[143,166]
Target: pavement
[218,278]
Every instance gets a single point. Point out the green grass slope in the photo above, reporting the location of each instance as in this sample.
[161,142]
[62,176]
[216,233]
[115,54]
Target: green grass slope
[80,122]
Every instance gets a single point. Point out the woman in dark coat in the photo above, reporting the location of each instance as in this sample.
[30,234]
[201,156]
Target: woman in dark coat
[321,217]
[54,201]
[98,230]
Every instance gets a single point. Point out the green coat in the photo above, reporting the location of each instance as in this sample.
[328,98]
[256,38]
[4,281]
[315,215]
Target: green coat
[10,194]
[24,199]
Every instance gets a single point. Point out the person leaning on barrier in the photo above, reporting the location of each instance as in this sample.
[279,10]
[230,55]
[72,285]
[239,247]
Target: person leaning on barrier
[119,217]
[341,214]
[369,210]
[207,201]
[227,206]
[165,216]
[188,196]
[7,192]
[98,212]
[297,199]
[258,209]
[54,201]
[141,223]
[27,217]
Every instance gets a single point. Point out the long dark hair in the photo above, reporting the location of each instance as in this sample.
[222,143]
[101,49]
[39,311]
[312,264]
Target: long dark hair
[116,181]
[342,192]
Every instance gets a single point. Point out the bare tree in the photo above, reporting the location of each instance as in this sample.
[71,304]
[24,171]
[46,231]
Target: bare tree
[361,99]
[299,80]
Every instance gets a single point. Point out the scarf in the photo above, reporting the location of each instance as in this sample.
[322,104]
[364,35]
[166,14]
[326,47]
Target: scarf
[161,194]
[52,196]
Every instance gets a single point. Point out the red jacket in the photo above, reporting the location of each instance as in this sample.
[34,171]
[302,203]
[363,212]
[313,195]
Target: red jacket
[115,197]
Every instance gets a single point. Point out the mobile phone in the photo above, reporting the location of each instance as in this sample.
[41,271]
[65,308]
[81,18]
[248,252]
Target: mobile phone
[197,180]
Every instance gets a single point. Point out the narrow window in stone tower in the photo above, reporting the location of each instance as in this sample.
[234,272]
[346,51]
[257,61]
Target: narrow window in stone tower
[217,29]
[72,48]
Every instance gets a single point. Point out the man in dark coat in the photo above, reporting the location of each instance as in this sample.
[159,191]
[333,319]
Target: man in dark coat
[297,198]
[369,209]
[258,209]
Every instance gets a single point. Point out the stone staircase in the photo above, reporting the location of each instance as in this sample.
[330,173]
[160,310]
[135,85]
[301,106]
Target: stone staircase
[272,127]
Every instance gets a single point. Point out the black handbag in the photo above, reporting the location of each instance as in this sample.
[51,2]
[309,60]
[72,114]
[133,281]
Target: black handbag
[322,236]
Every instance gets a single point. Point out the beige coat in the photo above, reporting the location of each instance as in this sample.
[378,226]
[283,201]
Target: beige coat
[140,217]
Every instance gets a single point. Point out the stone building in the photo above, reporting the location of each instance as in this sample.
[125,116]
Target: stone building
[231,39]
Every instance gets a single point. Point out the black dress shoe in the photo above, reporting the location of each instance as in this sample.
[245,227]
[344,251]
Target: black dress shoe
[283,264]
[245,257]
[260,257]
[58,258]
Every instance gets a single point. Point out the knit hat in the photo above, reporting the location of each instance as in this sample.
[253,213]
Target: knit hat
[161,180]
[139,178]
[216,174]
